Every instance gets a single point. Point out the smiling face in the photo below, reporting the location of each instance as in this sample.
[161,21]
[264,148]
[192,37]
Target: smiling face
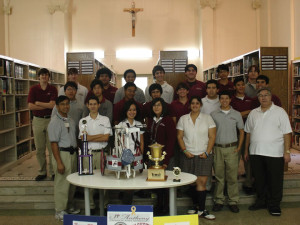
[182,92]
[129,93]
[105,79]
[155,94]
[157,109]
[131,113]
[159,76]
[225,102]
[44,77]
[260,84]
[63,107]
[223,74]
[195,106]
[130,77]
[191,74]
[240,87]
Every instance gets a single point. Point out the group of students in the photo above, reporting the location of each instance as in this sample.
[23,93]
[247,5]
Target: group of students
[201,129]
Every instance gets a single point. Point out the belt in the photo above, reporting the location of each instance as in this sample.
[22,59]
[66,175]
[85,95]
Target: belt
[97,150]
[226,145]
[44,117]
[70,149]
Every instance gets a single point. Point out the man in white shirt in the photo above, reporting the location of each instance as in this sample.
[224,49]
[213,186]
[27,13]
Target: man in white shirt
[81,90]
[211,100]
[158,73]
[269,136]
[98,130]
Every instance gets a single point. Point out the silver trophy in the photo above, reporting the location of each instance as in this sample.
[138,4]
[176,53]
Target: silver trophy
[85,154]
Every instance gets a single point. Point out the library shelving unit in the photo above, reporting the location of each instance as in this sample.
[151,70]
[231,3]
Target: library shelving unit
[87,65]
[16,136]
[295,71]
[272,61]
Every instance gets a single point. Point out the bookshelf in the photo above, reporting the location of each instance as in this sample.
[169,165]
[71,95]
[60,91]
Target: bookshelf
[272,61]
[295,71]
[16,136]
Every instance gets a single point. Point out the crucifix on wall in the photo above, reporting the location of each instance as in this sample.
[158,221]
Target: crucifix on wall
[133,12]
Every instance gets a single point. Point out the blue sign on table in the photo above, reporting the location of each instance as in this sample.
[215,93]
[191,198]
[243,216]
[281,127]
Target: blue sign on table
[84,220]
[130,215]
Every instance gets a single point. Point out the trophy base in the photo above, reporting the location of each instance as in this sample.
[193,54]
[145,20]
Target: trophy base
[156,175]
[176,180]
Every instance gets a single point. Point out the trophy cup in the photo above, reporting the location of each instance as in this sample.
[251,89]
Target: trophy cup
[85,154]
[156,172]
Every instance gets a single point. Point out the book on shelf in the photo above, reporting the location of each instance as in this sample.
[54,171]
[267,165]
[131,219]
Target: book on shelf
[3,105]
[18,119]
[296,112]
[297,126]
[5,86]
[7,68]
[19,71]
[1,67]
[32,74]
[296,99]
[296,139]
[296,70]
[22,149]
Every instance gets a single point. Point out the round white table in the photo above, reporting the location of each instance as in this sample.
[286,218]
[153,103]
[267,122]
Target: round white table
[110,182]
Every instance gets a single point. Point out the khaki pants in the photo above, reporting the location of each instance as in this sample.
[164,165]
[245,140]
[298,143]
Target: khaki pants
[226,168]
[63,190]
[41,140]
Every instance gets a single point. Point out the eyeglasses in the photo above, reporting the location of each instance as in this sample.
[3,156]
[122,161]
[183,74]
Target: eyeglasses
[264,96]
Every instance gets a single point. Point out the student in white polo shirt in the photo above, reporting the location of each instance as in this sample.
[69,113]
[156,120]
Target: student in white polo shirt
[98,131]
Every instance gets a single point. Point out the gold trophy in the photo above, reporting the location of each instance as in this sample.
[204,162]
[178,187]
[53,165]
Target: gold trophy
[156,172]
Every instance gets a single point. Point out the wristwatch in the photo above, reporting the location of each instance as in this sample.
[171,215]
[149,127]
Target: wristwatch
[287,151]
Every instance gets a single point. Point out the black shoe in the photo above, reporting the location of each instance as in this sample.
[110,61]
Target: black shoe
[275,210]
[206,215]
[40,177]
[217,207]
[53,176]
[257,206]
[234,208]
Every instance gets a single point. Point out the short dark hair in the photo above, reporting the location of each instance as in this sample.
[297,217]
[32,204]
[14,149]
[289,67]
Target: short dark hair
[129,84]
[72,71]
[222,67]
[44,71]
[264,89]
[126,107]
[96,82]
[238,79]
[263,77]
[70,84]
[103,71]
[182,85]
[226,92]
[157,68]
[198,98]
[212,82]
[255,67]
[61,98]
[190,65]
[129,71]
[155,86]
[164,107]
[93,97]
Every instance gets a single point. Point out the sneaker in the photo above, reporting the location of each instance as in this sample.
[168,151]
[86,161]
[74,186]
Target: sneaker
[217,207]
[40,177]
[59,215]
[234,208]
[275,211]
[257,206]
[73,211]
[193,210]
[205,214]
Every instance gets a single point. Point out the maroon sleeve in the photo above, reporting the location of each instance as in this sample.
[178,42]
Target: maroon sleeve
[31,95]
[170,135]
[255,103]
[276,100]
[116,109]
[172,110]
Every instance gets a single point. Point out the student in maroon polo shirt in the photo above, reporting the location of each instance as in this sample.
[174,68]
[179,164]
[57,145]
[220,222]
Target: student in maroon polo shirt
[129,90]
[242,103]
[155,91]
[261,82]
[104,75]
[41,100]
[180,106]
[224,83]
[161,129]
[196,87]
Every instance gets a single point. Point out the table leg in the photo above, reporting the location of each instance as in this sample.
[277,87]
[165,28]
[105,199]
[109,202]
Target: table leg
[172,201]
[101,202]
[87,201]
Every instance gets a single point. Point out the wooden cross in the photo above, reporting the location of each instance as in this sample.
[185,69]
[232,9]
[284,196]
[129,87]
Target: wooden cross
[133,11]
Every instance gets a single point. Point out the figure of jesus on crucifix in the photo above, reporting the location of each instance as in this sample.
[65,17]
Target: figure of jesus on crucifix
[133,12]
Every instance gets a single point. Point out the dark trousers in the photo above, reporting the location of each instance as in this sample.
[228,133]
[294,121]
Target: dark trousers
[268,175]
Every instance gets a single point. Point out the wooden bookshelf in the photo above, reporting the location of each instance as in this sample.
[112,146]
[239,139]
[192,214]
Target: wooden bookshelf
[272,61]
[16,136]
[295,103]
